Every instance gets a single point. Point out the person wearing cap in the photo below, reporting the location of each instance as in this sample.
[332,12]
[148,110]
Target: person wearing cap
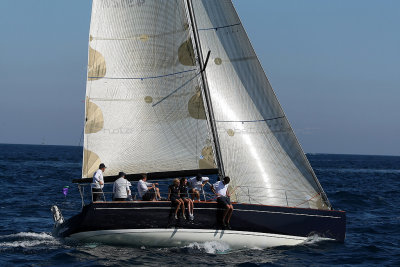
[121,188]
[196,184]
[98,183]
[220,188]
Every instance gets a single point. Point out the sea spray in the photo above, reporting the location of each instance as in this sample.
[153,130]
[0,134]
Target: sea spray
[212,247]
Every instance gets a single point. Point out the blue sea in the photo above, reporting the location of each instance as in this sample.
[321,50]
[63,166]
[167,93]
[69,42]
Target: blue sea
[32,179]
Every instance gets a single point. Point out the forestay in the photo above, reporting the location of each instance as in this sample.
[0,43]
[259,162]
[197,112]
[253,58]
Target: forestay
[144,109]
[259,149]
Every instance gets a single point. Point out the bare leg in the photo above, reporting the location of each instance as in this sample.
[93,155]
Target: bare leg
[158,193]
[187,203]
[182,208]
[229,215]
[195,195]
[225,213]
[190,206]
[178,204]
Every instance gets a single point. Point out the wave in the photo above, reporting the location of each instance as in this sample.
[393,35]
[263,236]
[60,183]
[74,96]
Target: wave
[359,170]
[27,240]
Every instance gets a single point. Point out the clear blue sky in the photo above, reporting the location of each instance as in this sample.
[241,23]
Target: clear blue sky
[335,66]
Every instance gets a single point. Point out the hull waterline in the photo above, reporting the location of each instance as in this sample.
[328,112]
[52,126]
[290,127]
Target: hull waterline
[185,237]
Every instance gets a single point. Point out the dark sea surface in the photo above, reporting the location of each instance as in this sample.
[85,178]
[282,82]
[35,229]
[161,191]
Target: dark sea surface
[32,178]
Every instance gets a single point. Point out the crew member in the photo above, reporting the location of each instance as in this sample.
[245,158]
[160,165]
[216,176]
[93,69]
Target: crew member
[196,185]
[121,188]
[183,191]
[148,191]
[98,183]
[174,197]
[220,188]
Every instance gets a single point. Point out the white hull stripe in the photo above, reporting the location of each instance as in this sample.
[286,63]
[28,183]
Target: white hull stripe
[182,237]
[258,211]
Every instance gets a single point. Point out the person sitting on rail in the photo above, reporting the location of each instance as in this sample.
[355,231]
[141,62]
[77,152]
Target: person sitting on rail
[121,188]
[174,197]
[196,184]
[148,191]
[220,188]
[183,190]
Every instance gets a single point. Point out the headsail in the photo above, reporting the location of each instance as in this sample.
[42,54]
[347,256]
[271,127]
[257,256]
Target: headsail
[259,149]
[144,110]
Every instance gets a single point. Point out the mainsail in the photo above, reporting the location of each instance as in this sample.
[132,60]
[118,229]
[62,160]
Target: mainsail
[259,149]
[144,109]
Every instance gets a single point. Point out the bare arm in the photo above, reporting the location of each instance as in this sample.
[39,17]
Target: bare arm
[213,189]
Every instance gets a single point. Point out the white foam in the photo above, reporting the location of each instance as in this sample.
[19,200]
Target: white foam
[29,235]
[27,240]
[212,247]
[314,239]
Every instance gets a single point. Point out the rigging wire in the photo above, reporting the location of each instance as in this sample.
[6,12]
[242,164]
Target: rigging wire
[176,90]
[219,27]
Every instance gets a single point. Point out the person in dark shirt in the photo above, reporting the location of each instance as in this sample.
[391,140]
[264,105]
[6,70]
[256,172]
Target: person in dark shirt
[174,197]
[183,189]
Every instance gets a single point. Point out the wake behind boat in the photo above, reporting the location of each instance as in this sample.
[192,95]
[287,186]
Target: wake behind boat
[175,89]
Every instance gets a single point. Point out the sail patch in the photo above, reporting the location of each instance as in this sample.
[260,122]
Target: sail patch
[186,54]
[148,99]
[96,66]
[91,162]
[144,37]
[196,106]
[206,160]
[94,118]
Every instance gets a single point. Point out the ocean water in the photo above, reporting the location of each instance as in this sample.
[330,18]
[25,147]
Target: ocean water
[32,178]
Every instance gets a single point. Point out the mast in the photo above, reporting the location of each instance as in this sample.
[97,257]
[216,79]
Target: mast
[206,90]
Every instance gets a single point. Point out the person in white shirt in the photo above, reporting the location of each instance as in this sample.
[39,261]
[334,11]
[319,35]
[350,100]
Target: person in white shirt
[148,191]
[98,183]
[196,184]
[121,188]
[220,188]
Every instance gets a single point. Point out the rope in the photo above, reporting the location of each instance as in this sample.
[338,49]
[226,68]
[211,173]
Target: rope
[307,200]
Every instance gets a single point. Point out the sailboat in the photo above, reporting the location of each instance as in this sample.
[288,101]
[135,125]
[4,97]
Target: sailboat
[174,88]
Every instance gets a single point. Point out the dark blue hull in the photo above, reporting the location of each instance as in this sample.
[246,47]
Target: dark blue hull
[246,217]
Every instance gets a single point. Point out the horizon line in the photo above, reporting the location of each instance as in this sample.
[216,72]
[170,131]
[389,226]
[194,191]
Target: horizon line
[307,153]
